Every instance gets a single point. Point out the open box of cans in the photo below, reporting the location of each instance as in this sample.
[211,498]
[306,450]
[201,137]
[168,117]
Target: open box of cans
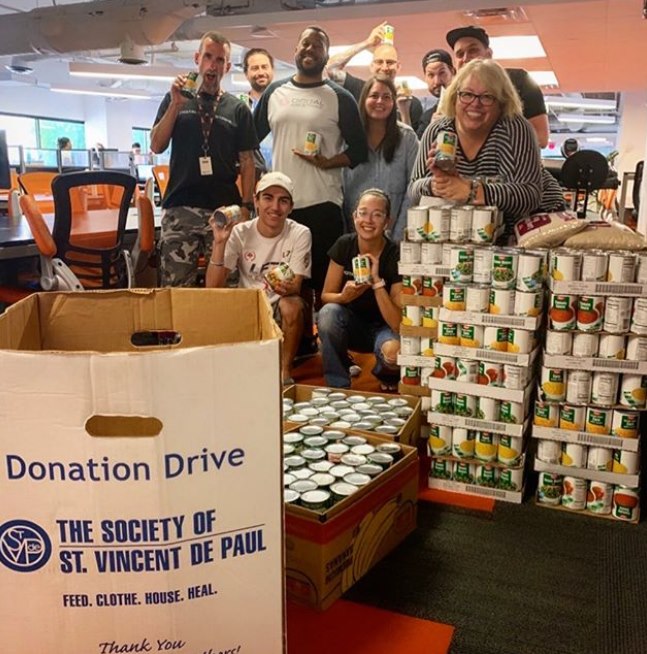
[395,418]
[350,499]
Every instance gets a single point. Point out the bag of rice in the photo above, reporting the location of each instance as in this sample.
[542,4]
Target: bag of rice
[604,235]
[547,230]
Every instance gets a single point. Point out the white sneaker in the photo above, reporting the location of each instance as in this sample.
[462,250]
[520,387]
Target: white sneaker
[355,370]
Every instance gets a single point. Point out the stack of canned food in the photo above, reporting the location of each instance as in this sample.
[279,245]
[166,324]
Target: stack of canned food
[454,224]
[338,410]
[598,266]
[594,497]
[324,466]
[486,459]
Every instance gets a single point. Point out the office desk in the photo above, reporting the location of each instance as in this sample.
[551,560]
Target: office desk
[16,239]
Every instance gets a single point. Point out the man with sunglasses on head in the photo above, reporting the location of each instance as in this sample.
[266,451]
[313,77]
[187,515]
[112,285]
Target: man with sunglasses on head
[384,64]
[472,42]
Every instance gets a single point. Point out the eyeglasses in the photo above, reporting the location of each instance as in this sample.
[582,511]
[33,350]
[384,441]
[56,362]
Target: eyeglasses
[467,97]
[385,97]
[377,215]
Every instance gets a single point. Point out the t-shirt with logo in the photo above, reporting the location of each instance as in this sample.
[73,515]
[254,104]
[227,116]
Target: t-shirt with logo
[255,255]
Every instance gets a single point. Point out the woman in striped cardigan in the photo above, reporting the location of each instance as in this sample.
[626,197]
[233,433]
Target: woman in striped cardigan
[497,155]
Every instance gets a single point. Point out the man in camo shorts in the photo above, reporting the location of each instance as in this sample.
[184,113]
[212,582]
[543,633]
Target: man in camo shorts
[212,137]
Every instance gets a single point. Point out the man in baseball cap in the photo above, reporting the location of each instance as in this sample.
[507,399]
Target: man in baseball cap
[439,71]
[257,248]
[473,42]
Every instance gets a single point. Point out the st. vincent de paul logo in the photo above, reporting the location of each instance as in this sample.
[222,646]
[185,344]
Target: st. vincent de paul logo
[24,546]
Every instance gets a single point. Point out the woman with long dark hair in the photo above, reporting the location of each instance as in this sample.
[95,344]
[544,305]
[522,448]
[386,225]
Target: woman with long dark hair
[392,150]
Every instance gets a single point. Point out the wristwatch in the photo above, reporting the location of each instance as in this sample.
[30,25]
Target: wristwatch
[247,205]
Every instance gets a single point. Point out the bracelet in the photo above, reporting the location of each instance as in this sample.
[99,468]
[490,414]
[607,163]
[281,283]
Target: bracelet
[380,284]
[216,263]
[474,184]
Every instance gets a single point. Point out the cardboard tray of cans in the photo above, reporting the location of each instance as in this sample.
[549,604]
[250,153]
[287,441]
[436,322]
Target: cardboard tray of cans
[408,433]
[586,473]
[417,360]
[424,269]
[626,289]
[594,364]
[531,323]
[586,513]
[482,354]
[481,390]
[326,552]
[585,438]
[407,299]
[521,463]
[494,426]
[409,455]
[514,497]
[413,389]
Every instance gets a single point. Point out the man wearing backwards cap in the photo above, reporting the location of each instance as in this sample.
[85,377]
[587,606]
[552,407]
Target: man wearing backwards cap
[473,42]
[258,246]
[439,71]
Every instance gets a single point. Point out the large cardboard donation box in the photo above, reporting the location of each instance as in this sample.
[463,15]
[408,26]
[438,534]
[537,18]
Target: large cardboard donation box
[141,485]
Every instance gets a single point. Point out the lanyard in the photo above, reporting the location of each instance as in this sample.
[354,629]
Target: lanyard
[207,113]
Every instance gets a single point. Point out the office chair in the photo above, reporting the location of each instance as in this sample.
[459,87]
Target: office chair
[38,184]
[638,180]
[161,175]
[583,172]
[97,257]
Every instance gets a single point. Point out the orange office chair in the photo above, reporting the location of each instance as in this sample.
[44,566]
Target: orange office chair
[161,175]
[39,186]
[87,243]
[144,266]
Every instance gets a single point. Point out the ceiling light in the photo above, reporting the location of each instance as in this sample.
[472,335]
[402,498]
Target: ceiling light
[414,83]
[124,71]
[580,103]
[516,47]
[597,139]
[544,77]
[364,58]
[584,118]
[112,93]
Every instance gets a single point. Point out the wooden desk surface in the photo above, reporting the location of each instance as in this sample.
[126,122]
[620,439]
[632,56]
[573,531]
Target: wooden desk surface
[16,239]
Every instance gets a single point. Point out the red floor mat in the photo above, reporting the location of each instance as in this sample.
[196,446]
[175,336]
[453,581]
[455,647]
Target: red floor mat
[349,628]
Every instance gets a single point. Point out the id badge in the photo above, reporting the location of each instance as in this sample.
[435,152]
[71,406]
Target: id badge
[205,166]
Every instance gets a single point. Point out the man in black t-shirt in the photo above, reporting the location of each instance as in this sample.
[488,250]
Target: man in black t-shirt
[212,137]
[471,42]
[439,71]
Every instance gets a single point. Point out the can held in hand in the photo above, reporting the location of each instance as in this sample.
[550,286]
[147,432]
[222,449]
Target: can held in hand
[224,216]
[362,269]
[389,35]
[312,143]
[445,157]
[279,274]
[191,85]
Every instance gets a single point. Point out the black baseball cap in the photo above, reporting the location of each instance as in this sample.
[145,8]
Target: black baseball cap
[437,55]
[461,32]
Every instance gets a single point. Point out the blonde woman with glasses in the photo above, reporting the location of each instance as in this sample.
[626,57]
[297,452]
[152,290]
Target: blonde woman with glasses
[497,156]
[363,317]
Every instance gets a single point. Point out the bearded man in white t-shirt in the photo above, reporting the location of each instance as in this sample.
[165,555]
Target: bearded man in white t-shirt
[257,246]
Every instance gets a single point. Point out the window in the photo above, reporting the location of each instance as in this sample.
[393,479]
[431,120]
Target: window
[35,132]
[142,136]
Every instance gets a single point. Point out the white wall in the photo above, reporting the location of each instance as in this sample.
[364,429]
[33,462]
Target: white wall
[633,131]
[108,121]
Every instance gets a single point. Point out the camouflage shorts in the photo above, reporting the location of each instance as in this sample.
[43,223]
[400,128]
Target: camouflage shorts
[185,236]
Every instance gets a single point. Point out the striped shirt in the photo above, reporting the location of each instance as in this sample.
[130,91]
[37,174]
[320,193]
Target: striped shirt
[507,164]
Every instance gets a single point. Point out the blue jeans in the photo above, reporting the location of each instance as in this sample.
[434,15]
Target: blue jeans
[340,330]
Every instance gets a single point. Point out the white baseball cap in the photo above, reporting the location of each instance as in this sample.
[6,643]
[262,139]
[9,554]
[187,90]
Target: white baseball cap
[275,179]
